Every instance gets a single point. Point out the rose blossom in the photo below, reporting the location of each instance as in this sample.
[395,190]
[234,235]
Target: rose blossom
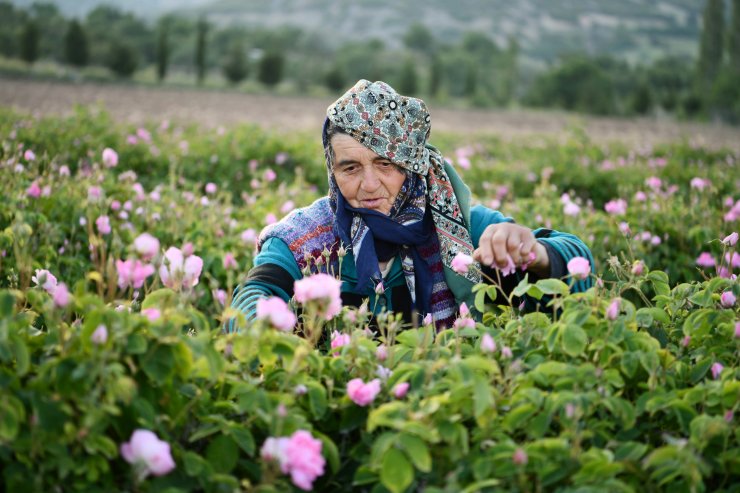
[146,449]
[146,245]
[730,239]
[277,312]
[34,190]
[487,344]
[298,455]
[717,370]
[727,299]
[579,267]
[61,295]
[103,225]
[520,457]
[322,288]
[705,259]
[211,188]
[613,311]
[110,158]
[152,314]
[400,389]
[176,271]
[338,340]
[100,335]
[46,280]
[461,263]
[362,393]
[616,207]
[132,273]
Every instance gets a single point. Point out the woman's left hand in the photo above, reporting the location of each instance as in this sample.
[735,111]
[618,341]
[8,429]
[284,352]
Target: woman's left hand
[502,239]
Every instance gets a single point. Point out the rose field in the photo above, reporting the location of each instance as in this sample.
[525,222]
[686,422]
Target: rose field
[121,246]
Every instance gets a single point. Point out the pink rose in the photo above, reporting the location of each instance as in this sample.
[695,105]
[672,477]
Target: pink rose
[34,190]
[731,239]
[613,311]
[177,272]
[152,314]
[61,295]
[211,188]
[277,312]
[270,175]
[300,456]
[400,389]
[579,267]
[146,449]
[461,263]
[571,209]
[686,341]
[705,259]
[616,207]
[487,344]
[520,457]
[100,335]
[249,236]
[506,352]
[727,299]
[110,158]
[363,393]
[93,193]
[147,246]
[381,352]
[230,261]
[717,370]
[29,155]
[132,273]
[46,280]
[322,288]
[338,340]
[509,268]
[103,225]
[638,268]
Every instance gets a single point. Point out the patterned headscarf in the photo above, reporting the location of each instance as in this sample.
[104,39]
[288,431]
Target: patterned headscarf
[397,127]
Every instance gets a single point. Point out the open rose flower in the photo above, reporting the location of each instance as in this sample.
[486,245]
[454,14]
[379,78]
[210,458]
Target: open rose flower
[579,267]
[461,263]
[323,289]
[146,450]
[110,158]
[277,312]
[147,246]
[363,393]
[298,455]
[177,271]
[132,273]
[338,340]
[46,280]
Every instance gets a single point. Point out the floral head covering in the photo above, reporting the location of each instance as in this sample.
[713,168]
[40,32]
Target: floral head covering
[397,127]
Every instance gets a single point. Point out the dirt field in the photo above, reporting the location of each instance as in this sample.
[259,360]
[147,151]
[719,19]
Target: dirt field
[210,108]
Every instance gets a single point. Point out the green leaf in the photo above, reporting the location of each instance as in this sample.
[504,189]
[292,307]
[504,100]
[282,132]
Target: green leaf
[243,437]
[317,399]
[574,340]
[11,416]
[159,299]
[136,344]
[553,286]
[329,450]
[522,287]
[700,369]
[7,302]
[222,453]
[517,417]
[396,473]
[417,451]
[22,357]
[194,463]
[159,363]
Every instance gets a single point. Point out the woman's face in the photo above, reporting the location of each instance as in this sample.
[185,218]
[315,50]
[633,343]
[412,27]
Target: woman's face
[365,179]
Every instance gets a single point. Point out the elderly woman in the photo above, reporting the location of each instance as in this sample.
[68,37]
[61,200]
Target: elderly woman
[397,214]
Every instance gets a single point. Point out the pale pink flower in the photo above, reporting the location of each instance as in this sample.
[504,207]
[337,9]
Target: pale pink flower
[144,134]
[379,288]
[64,170]
[427,319]
[100,335]
[686,341]
[110,158]
[281,158]
[638,268]
[705,259]
[487,344]
[506,352]
[270,218]
[699,183]
[338,340]
[230,262]
[381,352]
[509,268]
[34,190]
[115,205]
[729,416]
[653,182]
[717,370]
[727,299]
[400,389]
[520,457]
[624,228]
[300,389]
[362,393]
[46,191]
[249,236]
[211,188]
[383,373]
[277,312]
[464,322]
[152,314]
[640,196]
[187,249]
[147,449]
[461,263]
[322,288]
[300,456]
[103,225]
[29,155]
[270,175]
[732,259]
[177,272]
[61,295]
[579,267]
[731,239]
[464,310]
[565,198]
[737,330]
[612,312]
[616,207]
[45,279]
[132,273]
[220,296]
[287,207]
[463,162]
[94,192]
[571,209]
[147,246]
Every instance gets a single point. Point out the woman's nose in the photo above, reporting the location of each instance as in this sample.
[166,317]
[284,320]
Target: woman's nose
[370,180]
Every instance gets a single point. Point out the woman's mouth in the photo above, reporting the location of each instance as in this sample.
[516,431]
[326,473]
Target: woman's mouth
[371,203]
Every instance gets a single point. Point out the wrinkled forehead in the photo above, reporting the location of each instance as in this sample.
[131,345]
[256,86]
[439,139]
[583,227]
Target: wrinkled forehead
[391,125]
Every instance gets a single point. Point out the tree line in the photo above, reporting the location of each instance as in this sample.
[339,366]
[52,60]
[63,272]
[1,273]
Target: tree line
[474,69]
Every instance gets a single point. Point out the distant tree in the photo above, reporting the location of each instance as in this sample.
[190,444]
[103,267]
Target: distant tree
[52,26]
[122,59]
[200,50]
[711,43]
[510,72]
[642,99]
[669,79]
[334,79]
[29,42]
[163,49]
[471,78]
[235,67]
[734,37]
[75,45]
[419,38]
[271,68]
[408,81]
[10,21]
[436,73]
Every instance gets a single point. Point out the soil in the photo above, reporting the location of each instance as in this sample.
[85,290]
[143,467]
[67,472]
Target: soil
[141,104]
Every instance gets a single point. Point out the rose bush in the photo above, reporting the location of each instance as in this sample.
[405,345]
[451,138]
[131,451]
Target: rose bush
[117,376]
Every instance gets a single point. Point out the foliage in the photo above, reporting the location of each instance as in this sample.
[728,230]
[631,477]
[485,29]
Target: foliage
[271,68]
[643,397]
[200,50]
[122,59]
[711,45]
[235,66]
[75,45]
[29,45]
[163,49]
